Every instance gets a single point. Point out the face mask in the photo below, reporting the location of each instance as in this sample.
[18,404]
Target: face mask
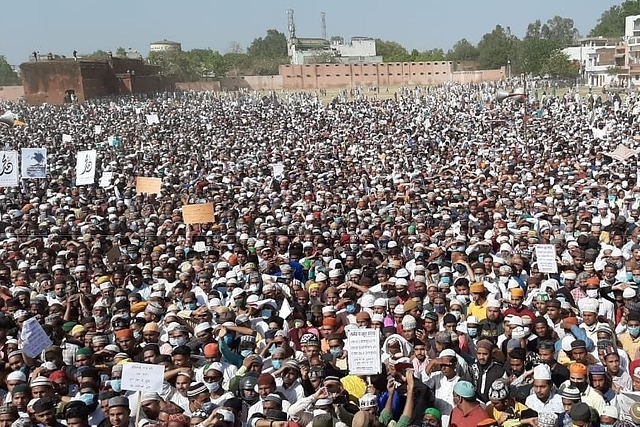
[473,332]
[175,342]
[445,279]
[606,425]
[463,298]
[326,259]
[456,314]
[636,279]
[592,293]
[582,386]
[267,314]
[479,278]
[460,268]
[228,339]
[634,331]
[116,385]
[191,306]
[246,353]
[503,279]
[335,352]
[619,265]
[351,308]
[99,319]
[212,387]
[120,299]
[137,335]
[277,364]
[253,289]
[439,309]
[87,398]
[610,279]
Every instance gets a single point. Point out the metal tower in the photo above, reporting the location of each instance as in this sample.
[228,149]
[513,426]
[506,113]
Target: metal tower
[323,24]
[291,25]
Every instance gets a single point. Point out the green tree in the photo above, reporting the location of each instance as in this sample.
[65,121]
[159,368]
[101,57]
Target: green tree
[206,62]
[559,65]
[392,51]
[8,77]
[463,50]
[272,46]
[611,22]
[498,47]
[238,63]
[534,53]
[427,55]
[560,30]
[268,53]
[97,54]
[121,52]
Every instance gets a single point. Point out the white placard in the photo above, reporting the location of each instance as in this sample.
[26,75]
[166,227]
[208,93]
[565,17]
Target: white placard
[364,351]
[105,179]
[8,168]
[97,129]
[66,138]
[142,377]
[200,246]
[86,167]
[278,170]
[546,259]
[34,163]
[34,338]
[152,119]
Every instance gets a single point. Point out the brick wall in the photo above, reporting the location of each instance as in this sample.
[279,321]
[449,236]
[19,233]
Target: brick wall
[11,93]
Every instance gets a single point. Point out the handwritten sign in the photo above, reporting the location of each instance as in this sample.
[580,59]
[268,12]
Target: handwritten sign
[148,185]
[152,119]
[546,258]
[364,351]
[198,213]
[9,169]
[86,167]
[34,338]
[142,377]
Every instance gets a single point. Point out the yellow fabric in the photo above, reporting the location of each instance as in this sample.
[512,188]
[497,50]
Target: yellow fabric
[495,414]
[479,311]
[629,344]
[354,385]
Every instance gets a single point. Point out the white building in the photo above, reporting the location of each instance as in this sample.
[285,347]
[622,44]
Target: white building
[165,46]
[360,49]
[595,56]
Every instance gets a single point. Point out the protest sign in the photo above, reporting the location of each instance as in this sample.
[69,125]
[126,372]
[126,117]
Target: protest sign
[546,258]
[364,351]
[86,167]
[9,169]
[34,163]
[66,138]
[142,377]
[97,129]
[148,185]
[34,338]
[152,119]
[105,179]
[198,213]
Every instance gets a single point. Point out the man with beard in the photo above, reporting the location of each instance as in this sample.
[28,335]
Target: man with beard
[491,327]
[559,372]
[485,371]
[521,384]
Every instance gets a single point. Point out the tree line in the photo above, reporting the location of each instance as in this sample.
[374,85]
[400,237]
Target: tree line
[539,52]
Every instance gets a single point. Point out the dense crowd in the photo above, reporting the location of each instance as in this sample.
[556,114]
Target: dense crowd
[418,216]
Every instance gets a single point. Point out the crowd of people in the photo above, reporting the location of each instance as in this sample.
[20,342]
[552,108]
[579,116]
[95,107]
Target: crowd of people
[418,216]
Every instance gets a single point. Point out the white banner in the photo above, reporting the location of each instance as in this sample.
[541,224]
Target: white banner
[152,119]
[34,163]
[86,167]
[546,259]
[9,169]
[364,351]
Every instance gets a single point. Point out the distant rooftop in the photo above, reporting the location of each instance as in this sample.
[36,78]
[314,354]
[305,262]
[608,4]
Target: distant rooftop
[165,41]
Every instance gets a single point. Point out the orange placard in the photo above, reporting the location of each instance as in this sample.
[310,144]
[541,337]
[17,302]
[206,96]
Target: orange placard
[148,185]
[198,213]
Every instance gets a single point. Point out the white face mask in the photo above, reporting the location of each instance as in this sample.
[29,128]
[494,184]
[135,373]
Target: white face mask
[592,293]
[503,279]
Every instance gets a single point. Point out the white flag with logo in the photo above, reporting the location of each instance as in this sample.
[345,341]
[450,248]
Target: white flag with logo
[8,169]
[34,163]
[86,167]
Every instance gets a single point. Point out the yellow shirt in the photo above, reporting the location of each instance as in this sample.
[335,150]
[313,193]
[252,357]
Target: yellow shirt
[479,311]
[629,344]
[495,414]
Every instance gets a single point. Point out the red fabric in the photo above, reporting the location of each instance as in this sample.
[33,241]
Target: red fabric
[473,418]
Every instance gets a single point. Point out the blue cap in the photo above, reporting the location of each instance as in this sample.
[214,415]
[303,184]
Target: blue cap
[464,389]
[597,370]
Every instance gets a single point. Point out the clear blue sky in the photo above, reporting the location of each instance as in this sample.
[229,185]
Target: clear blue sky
[88,25]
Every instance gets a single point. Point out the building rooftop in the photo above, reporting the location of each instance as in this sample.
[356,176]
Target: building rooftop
[165,41]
